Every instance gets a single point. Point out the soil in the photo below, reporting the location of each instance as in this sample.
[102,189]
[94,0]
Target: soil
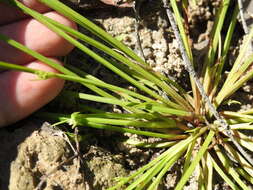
[33,151]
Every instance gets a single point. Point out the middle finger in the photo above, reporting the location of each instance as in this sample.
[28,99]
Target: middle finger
[35,36]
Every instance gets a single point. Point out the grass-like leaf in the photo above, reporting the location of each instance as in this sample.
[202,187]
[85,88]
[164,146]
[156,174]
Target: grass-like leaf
[159,107]
[196,160]
[228,166]
[224,176]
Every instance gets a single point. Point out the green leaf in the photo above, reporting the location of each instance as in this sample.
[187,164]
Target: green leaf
[229,168]
[170,153]
[224,176]
[195,161]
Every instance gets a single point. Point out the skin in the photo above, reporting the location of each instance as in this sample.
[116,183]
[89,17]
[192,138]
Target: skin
[20,93]
[121,3]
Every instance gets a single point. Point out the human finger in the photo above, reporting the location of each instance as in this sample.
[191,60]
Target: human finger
[35,36]
[10,14]
[22,94]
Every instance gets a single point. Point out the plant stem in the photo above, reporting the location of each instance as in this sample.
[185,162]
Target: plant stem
[192,73]
[244,24]
[190,68]
[136,7]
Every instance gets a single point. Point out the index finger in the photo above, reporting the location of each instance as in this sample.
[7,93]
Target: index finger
[11,14]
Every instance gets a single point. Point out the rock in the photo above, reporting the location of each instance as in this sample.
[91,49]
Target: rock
[38,155]
[102,168]
[33,152]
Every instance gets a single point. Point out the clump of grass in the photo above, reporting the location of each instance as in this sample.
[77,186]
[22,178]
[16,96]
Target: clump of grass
[185,120]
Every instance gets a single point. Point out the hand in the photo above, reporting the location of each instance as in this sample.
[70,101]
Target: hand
[118,3]
[20,94]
